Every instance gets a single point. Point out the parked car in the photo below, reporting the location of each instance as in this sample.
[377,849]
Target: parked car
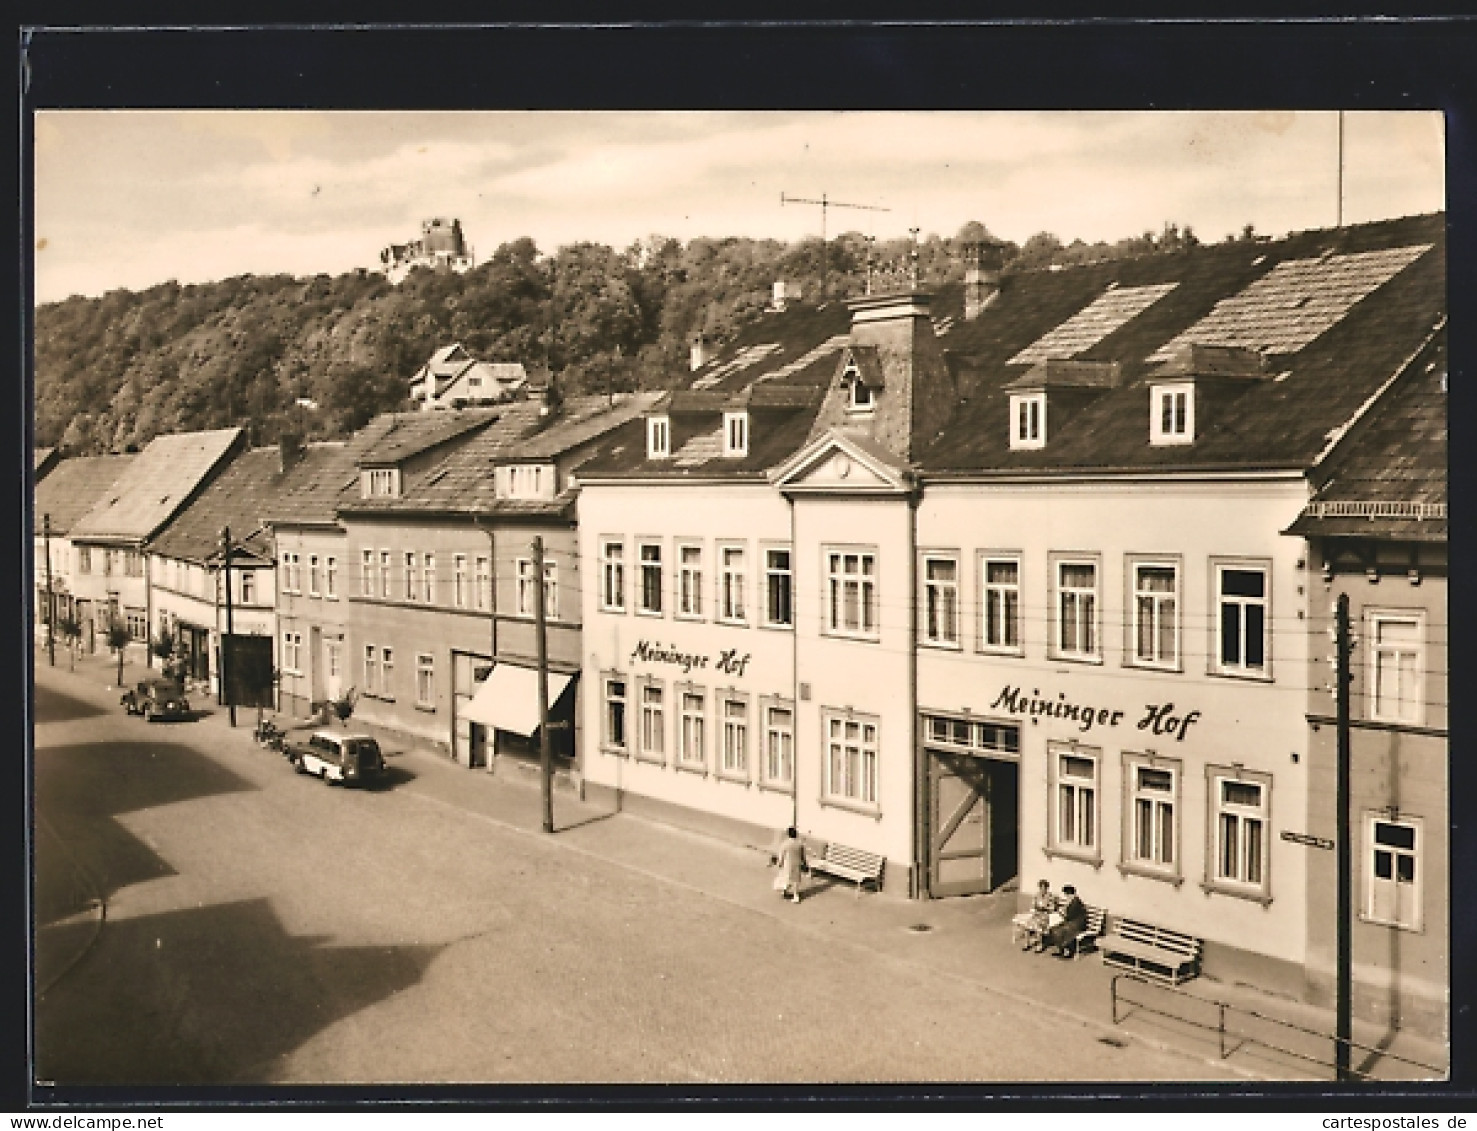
[337,757]
[157,699]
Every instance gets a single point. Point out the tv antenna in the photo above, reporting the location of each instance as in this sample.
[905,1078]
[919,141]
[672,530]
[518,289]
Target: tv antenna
[827,203]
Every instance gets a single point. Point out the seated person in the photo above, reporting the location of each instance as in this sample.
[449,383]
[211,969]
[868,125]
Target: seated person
[1033,924]
[1073,923]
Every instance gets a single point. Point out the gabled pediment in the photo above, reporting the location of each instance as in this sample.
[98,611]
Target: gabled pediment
[838,463]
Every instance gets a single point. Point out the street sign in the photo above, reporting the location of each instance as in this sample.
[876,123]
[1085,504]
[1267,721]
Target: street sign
[1310,841]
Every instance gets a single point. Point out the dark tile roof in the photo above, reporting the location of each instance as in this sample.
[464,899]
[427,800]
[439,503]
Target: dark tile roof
[73,486]
[156,484]
[42,461]
[309,493]
[1387,478]
[1281,421]
[404,435]
[239,497]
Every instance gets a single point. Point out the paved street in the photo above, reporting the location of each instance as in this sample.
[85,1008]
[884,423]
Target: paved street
[206,915]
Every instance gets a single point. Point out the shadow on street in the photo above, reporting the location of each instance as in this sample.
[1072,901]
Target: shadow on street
[58,707]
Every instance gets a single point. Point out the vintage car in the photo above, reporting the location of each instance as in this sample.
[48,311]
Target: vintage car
[157,699]
[336,756]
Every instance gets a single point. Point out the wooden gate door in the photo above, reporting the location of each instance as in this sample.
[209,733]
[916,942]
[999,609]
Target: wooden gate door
[972,823]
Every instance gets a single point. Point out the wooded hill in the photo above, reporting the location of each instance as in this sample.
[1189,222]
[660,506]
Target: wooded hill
[113,372]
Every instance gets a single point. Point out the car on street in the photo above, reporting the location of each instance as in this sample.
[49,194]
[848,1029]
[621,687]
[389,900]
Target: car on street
[157,699]
[337,757]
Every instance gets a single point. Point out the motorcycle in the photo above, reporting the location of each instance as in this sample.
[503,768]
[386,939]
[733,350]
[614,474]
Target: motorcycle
[269,735]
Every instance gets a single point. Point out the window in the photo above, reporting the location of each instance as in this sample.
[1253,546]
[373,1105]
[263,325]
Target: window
[651,578]
[1242,624]
[779,745]
[292,652]
[1240,809]
[1172,414]
[689,581]
[524,592]
[1000,604]
[366,581]
[615,714]
[851,760]
[410,581]
[613,575]
[653,722]
[84,559]
[1395,691]
[551,588]
[133,563]
[387,668]
[484,581]
[658,437]
[1150,826]
[526,595]
[459,581]
[778,586]
[1076,609]
[248,587]
[735,754]
[731,584]
[428,579]
[381,483]
[385,574]
[690,750]
[851,593]
[859,394]
[1028,421]
[940,599]
[287,572]
[735,433]
[1155,614]
[315,587]
[334,652]
[1074,772]
[137,623]
[330,578]
[371,669]
[1392,878]
[425,681]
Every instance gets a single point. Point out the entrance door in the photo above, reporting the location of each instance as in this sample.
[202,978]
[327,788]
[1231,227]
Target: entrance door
[973,819]
[316,665]
[333,661]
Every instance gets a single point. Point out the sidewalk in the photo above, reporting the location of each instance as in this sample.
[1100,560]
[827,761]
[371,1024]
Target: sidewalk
[966,938]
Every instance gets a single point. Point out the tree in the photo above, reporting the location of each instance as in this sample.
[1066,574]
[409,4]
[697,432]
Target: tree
[118,639]
[70,630]
[163,647]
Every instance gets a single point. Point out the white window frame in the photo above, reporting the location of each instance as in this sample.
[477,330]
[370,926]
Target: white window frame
[385,576]
[735,434]
[651,739]
[862,403]
[772,574]
[939,601]
[292,659]
[381,482]
[1060,593]
[1252,825]
[840,580]
[1164,858]
[425,680]
[459,580]
[411,587]
[428,578]
[733,739]
[248,587]
[612,574]
[615,692]
[1240,669]
[330,578]
[1004,596]
[658,437]
[1156,601]
[732,596]
[1179,399]
[333,652]
[1075,820]
[689,582]
[371,669]
[692,726]
[852,745]
[482,580]
[1027,421]
[1378,653]
[777,761]
[387,669]
[649,567]
[366,580]
[315,588]
[1387,911]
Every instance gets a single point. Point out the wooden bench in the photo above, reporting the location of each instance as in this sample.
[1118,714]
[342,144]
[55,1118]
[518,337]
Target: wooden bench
[1022,932]
[850,864]
[1155,952]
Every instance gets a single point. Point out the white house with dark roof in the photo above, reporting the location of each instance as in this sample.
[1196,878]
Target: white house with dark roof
[453,378]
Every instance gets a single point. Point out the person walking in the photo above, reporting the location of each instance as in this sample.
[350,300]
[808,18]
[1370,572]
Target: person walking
[791,860]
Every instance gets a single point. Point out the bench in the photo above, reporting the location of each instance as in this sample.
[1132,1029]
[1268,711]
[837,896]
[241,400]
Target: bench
[850,864]
[1155,952]
[1022,931]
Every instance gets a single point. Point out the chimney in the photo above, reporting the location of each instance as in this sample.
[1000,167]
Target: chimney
[699,353]
[983,256]
[290,450]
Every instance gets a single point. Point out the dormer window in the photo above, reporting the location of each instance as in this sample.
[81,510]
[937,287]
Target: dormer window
[658,437]
[735,433]
[861,399]
[1172,414]
[380,483]
[526,481]
[1028,421]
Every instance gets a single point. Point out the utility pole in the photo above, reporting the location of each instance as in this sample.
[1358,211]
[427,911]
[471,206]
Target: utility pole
[826,203]
[545,755]
[1345,850]
[50,593]
[226,640]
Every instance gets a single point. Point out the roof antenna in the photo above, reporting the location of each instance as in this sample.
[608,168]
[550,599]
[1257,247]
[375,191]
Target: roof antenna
[825,203]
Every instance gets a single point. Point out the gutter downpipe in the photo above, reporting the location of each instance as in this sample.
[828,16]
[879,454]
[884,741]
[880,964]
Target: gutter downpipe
[919,865]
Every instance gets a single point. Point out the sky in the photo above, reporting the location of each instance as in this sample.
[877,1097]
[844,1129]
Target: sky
[132,198]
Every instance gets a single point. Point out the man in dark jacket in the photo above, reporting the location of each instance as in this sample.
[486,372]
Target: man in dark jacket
[1074,922]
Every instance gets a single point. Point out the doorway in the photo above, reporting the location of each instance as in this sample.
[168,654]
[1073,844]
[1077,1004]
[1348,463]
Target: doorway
[973,823]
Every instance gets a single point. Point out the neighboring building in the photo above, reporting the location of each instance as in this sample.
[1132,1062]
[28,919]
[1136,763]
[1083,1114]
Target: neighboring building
[186,578]
[111,578]
[42,461]
[441,625]
[453,378]
[441,247]
[70,489]
[316,573]
[1378,529]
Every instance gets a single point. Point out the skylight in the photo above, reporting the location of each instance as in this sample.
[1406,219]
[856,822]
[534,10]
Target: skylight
[1296,301]
[1092,323]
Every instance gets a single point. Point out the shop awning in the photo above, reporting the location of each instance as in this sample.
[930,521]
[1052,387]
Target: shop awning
[508,698]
